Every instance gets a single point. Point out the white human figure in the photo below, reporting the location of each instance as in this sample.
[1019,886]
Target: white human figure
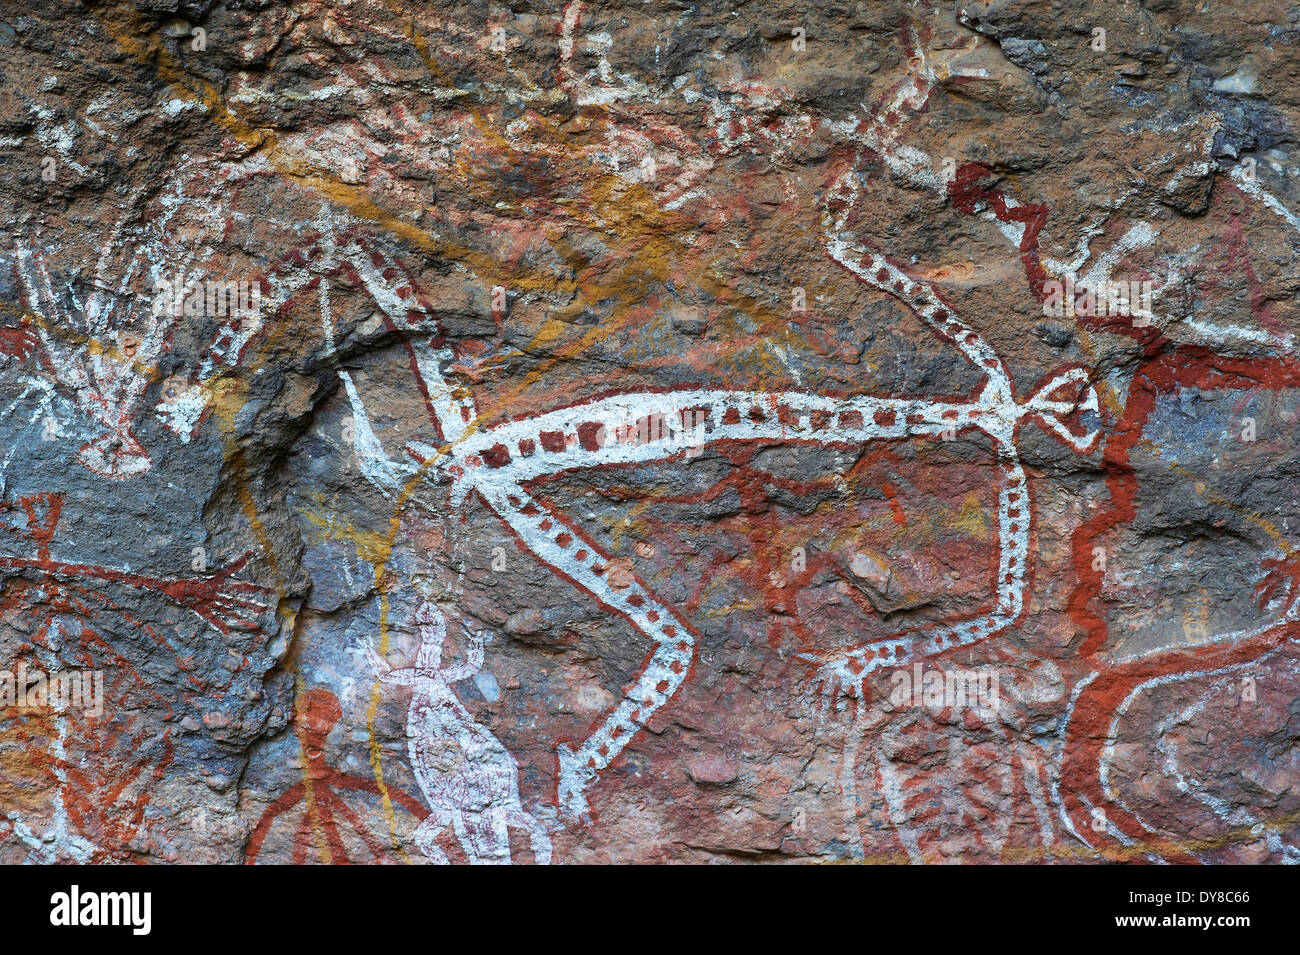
[469,779]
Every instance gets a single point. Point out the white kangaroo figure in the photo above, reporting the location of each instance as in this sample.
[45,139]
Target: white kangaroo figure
[469,779]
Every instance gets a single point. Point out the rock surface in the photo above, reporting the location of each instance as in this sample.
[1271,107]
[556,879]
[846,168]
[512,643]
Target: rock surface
[649,432]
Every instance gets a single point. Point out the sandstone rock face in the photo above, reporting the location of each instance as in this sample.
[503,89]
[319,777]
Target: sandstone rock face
[595,432]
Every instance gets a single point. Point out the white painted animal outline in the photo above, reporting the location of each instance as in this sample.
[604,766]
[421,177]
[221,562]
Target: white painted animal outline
[481,816]
[498,461]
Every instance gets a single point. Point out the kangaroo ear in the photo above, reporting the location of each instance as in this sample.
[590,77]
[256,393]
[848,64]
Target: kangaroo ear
[1059,407]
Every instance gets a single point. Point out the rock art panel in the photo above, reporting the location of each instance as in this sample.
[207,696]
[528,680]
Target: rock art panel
[585,433]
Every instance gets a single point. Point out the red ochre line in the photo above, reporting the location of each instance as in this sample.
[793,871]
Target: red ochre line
[1159,374]
[1089,730]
